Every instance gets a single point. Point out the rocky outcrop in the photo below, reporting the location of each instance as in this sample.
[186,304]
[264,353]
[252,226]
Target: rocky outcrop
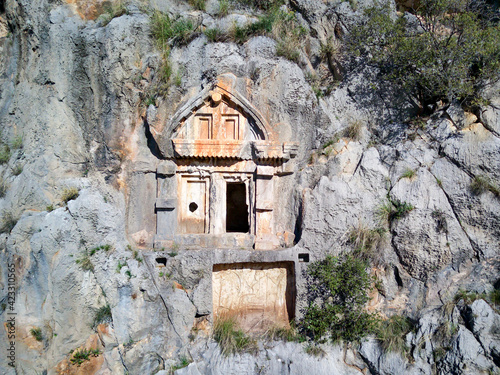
[74,91]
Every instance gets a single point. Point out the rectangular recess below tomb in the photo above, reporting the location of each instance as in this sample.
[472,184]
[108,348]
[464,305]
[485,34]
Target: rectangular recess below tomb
[259,295]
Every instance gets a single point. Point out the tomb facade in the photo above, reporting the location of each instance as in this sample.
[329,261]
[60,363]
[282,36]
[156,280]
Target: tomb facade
[219,188]
[221,185]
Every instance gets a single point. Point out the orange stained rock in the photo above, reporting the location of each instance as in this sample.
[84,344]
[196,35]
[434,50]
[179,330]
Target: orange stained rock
[89,367]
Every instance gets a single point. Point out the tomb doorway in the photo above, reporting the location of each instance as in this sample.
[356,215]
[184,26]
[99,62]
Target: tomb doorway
[236,208]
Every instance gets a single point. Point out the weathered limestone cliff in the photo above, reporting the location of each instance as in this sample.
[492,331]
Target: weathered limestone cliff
[96,143]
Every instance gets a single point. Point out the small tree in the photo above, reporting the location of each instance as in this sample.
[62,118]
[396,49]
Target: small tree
[337,293]
[449,51]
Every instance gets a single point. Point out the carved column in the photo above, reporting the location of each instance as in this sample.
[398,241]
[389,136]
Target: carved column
[264,205]
[166,200]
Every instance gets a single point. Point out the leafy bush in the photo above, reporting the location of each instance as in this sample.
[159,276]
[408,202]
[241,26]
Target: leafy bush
[169,31]
[392,332]
[450,54]
[69,194]
[337,293]
[230,337]
[83,355]
[281,26]
[393,209]
[36,333]
[102,315]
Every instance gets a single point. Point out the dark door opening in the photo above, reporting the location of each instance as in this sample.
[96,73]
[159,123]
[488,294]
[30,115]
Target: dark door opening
[237,208]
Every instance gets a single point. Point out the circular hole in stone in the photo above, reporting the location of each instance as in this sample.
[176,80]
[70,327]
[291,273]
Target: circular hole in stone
[193,207]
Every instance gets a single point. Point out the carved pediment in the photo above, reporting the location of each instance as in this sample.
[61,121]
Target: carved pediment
[220,123]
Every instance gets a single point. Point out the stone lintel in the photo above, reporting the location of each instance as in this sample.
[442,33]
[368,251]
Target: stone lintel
[236,149]
[216,241]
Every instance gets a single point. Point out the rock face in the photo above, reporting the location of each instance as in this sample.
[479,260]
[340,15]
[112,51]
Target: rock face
[90,150]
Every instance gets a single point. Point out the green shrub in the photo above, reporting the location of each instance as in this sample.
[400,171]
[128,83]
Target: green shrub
[262,4]
[289,35]
[393,209]
[392,332]
[230,337]
[314,350]
[119,266]
[494,297]
[337,295]
[183,362]
[215,35]
[106,248]
[440,218]
[82,355]
[49,208]
[102,315]
[481,184]
[17,143]
[3,187]
[452,54]
[287,334]
[36,333]
[198,4]
[8,222]
[366,241]
[84,262]
[224,8]
[468,297]
[112,10]
[353,131]
[136,256]
[4,154]
[408,173]
[281,26]
[17,170]
[69,194]
[169,31]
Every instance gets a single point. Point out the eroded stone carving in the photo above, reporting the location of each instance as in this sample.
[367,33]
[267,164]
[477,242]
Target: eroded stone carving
[258,295]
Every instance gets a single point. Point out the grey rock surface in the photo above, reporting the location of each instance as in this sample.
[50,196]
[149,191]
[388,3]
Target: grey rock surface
[74,89]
